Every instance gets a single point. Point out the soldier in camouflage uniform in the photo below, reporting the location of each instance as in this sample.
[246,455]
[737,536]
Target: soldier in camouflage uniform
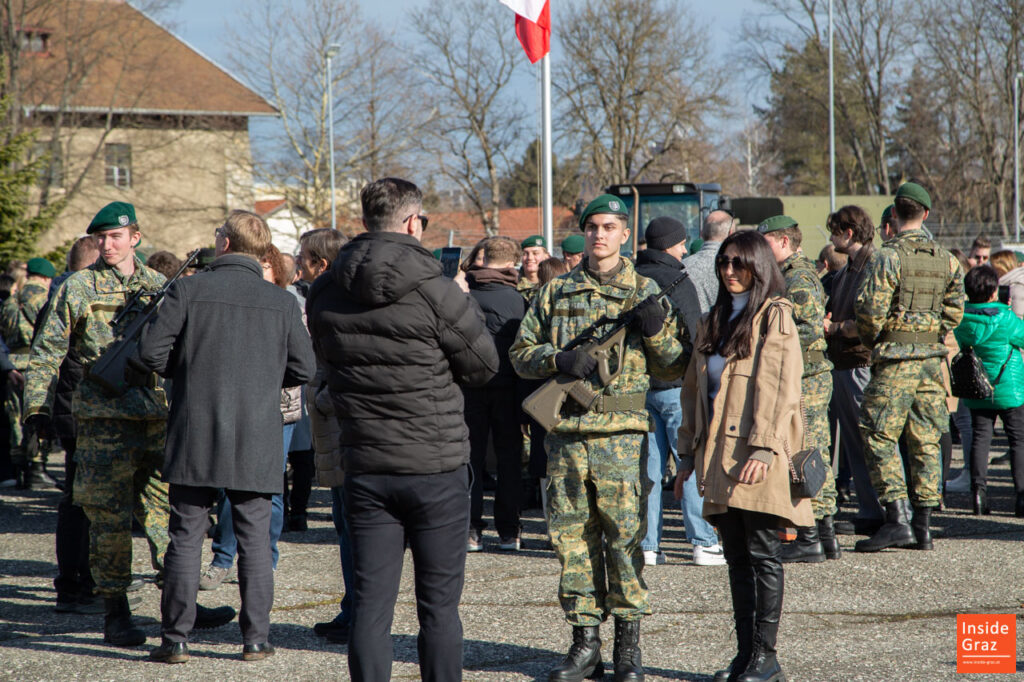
[535,251]
[120,439]
[910,298]
[17,322]
[596,492]
[804,289]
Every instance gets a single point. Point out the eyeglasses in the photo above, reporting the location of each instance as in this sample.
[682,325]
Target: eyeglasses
[423,220]
[723,261]
[219,232]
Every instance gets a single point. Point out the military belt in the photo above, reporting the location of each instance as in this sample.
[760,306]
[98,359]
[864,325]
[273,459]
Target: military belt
[813,357]
[629,402]
[909,337]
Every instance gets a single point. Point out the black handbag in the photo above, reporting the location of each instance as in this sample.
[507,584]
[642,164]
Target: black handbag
[968,378]
[806,474]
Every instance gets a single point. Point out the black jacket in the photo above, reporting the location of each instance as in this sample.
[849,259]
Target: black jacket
[397,339]
[665,269]
[230,341]
[503,307]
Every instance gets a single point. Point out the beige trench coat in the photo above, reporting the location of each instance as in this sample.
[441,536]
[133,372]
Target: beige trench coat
[757,407]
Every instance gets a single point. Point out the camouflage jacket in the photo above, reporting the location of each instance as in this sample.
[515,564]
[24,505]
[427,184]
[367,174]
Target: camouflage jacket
[878,308]
[565,307]
[804,289]
[18,319]
[78,323]
[527,288]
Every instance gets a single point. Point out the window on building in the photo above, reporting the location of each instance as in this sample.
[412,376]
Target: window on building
[118,165]
[33,41]
[51,168]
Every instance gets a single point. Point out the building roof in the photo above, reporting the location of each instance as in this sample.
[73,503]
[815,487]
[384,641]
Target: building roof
[517,223]
[268,206]
[115,58]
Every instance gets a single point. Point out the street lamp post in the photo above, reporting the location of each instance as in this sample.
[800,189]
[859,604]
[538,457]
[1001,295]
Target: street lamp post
[1016,155]
[332,51]
[831,118]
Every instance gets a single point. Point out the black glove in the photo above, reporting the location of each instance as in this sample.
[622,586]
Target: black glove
[575,363]
[136,373]
[647,318]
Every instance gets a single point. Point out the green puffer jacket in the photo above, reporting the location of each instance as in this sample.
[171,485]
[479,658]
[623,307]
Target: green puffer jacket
[997,336]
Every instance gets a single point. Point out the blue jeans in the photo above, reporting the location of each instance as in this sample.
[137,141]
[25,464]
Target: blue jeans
[663,405]
[225,545]
[345,551]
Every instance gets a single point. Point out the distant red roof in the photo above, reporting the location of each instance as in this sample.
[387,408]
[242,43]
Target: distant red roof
[123,61]
[268,206]
[517,223]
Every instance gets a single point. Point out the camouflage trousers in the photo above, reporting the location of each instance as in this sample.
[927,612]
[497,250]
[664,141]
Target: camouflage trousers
[118,476]
[24,442]
[597,518]
[817,392]
[910,394]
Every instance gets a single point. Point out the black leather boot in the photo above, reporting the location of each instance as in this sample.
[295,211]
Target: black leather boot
[764,664]
[805,549]
[118,628]
[921,525]
[895,532]
[584,658]
[743,590]
[744,646]
[207,618]
[628,663]
[980,499]
[827,536]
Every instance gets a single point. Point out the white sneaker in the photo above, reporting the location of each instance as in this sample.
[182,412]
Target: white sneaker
[708,556]
[960,484]
[9,483]
[652,558]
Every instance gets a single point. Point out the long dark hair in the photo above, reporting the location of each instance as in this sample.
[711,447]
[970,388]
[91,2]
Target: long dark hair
[734,338]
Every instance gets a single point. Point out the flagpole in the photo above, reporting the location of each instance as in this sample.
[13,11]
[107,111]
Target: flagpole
[545,113]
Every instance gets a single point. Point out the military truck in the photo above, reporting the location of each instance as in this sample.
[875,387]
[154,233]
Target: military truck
[687,202]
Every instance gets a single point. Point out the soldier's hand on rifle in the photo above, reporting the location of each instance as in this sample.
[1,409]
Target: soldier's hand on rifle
[647,318]
[575,363]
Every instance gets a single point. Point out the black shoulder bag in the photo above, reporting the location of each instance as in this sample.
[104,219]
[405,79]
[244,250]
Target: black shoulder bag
[968,378]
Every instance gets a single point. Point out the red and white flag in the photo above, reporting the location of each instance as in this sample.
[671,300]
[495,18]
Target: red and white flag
[533,26]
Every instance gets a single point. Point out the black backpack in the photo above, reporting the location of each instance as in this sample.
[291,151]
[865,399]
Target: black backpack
[968,378]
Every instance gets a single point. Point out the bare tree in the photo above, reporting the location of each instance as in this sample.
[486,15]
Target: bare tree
[281,49]
[634,85]
[469,66]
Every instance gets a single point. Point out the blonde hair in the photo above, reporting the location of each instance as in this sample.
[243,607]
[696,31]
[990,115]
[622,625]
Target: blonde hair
[247,234]
[1003,261]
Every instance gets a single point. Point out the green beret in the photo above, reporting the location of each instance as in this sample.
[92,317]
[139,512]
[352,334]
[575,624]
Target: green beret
[886,215]
[534,240]
[437,254]
[776,222]
[41,266]
[696,245]
[574,243]
[606,203]
[112,216]
[912,190]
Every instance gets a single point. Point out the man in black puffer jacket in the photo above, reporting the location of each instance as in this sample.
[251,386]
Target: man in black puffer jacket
[493,410]
[398,340]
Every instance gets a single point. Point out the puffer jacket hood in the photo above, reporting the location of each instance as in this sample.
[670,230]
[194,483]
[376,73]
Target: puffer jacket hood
[996,335]
[378,268]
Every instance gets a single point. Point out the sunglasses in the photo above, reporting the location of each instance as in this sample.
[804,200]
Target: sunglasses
[423,220]
[735,262]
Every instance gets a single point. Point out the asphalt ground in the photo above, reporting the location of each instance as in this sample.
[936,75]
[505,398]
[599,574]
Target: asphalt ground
[885,616]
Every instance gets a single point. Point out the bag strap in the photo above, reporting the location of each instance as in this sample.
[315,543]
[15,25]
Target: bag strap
[1003,368]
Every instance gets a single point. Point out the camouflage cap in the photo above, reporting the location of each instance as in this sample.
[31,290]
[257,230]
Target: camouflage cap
[534,240]
[40,266]
[605,203]
[574,243]
[112,216]
[912,190]
[886,216]
[776,222]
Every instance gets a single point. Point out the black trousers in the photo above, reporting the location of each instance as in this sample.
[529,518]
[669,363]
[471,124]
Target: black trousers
[190,514]
[983,425]
[753,551]
[432,512]
[73,577]
[495,412]
[303,471]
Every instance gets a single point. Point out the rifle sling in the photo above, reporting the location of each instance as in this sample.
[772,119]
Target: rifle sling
[628,402]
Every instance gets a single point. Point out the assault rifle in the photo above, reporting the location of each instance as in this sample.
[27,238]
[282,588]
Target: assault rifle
[545,404]
[109,370]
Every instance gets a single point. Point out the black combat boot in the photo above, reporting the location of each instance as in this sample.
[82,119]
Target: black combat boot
[584,658]
[118,628]
[764,664]
[921,525]
[980,500]
[770,578]
[827,535]
[743,590]
[805,549]
[744,646]
[628,665]
[895,532]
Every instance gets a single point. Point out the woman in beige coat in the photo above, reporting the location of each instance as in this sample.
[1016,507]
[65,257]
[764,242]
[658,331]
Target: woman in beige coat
[741,422]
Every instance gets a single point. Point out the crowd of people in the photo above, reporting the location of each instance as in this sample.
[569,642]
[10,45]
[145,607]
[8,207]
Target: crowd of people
[373,374]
